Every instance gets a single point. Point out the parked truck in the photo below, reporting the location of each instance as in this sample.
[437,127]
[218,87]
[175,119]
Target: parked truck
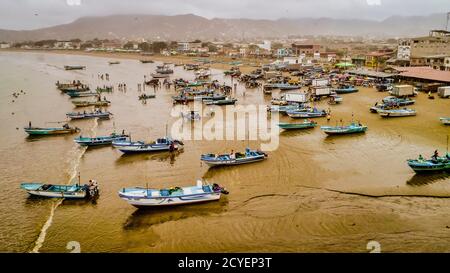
[295,97]
[402,90]
[444,91]
[321,91]
[319,82]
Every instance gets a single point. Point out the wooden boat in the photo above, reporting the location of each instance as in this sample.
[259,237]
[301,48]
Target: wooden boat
[396,113]
[113,62]
[86,115]
[346,89]
[66,129]
[422,165]
[74,67]
[73,84]
[62,191]
[314,113]
[342,130]
[159,75]
[81,94]
[146,61]
[226,101]
[161,144]
[106,89]
[77,88]
[163,69]
[445,121]
[100,140]
[249,156]
[306,124]
[146,96]
[382,106]
[145,197]
[391,100]
[91,103]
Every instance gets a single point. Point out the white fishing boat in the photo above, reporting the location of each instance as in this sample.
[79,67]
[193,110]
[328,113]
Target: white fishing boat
[445,121]
[161,144]
[146,197]
[396,112]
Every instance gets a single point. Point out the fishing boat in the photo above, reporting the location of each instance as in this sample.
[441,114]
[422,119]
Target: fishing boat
[105,89]
[80,88]
[445,121]
[84,103]
[159,75]
[100,140]
[113,62]
[74,67]
[202,74]
[396,112]
[76,191]
[381,106]
[78,85]
[147,197]
[191,116]
[249,156]
[146,61]
[161,144]
[163,69]
[283,109]
[226,101]
[435,164]
[73,94]
[342,130]
[87,115]
[398,101]
[66,129]
[146,96]
[306,124]
[346,89]
[314,113]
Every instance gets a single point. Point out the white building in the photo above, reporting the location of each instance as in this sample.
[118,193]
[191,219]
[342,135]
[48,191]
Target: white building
[267,45]
[5,45]
[404,50]
[183,46]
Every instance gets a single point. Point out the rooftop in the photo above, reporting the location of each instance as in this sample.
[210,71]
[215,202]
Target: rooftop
[425,73]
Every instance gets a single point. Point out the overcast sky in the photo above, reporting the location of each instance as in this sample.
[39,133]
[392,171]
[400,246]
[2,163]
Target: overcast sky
[31,14]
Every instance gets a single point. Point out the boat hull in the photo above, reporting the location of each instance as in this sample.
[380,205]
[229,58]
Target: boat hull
[172,200]
[43,132]
[427,167]
[234,162]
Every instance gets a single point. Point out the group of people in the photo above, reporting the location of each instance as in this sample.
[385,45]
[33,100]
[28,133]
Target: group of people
[103,76]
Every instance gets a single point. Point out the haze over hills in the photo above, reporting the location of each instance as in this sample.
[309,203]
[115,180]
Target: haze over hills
[189,27]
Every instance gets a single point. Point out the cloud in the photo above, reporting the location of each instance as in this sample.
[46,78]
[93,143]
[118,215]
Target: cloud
[29,14]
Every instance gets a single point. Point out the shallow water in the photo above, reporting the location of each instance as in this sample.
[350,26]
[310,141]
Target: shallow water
[313,194]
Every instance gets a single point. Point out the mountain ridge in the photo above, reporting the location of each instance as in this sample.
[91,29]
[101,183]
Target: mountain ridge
[191,26]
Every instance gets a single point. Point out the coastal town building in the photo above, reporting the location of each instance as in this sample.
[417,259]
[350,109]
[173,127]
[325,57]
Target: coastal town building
[5,45]
[305,49]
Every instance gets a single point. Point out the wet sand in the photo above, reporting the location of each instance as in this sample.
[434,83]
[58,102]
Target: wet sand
[313,194]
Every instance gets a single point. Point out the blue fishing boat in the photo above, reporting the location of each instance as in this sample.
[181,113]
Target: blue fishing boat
[435,164]
[147,197]
[283,109]
[249,156]
[342,130]
[76,191]
[160,145]
[76,94]
[87,115]
[313,113]
[306,124]
[391,100]
[100,140]
[346,89]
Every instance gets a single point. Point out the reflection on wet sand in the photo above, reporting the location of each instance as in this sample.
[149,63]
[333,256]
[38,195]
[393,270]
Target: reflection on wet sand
[426,179]
[146,217]
[163,156]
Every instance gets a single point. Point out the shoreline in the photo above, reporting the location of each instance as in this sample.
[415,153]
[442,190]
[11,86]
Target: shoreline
[180,59]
